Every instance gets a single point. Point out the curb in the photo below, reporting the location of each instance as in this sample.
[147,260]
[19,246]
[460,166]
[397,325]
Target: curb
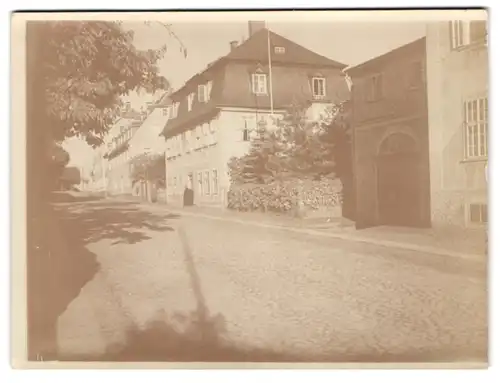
[347,237]
[372,241]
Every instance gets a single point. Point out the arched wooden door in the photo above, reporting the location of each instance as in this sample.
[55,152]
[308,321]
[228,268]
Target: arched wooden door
[399,182]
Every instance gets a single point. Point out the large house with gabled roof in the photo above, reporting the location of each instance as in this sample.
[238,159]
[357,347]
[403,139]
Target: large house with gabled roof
[215,113]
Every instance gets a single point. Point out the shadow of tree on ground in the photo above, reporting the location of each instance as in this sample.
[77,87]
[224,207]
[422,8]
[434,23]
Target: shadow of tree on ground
[58,262]
[123,222]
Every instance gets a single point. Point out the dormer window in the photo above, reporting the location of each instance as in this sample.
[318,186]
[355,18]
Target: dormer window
[175,109]
[259,83]
[279,50]
[202,93]
[190,101]
[318,87]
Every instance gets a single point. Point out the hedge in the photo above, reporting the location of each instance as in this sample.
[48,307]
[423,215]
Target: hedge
[286,196]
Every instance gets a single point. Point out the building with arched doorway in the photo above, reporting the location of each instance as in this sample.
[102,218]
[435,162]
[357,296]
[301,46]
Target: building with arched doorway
[390,138]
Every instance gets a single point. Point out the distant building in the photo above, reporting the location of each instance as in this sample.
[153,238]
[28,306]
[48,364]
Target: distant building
[457,74]
[216,112]
[390,138]
[108,170]
[117,155]
[146,141]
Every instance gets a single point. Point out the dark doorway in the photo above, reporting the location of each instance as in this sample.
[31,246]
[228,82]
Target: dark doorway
[399,181]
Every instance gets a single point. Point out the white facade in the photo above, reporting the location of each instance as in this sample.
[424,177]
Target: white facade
[457,78]
[200,156]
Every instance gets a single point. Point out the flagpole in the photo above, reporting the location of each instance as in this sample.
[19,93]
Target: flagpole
[270,72]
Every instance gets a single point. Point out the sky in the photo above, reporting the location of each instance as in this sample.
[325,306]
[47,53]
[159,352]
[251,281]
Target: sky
[345,41]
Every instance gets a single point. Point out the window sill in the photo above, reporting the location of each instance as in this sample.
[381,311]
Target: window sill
[471,46]
[475,159]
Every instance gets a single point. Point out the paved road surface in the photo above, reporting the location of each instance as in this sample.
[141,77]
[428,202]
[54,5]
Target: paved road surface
[190,288]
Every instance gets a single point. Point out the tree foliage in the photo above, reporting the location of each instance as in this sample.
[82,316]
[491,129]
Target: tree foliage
[85,68]
[148,167]
[297,148]
[262,163]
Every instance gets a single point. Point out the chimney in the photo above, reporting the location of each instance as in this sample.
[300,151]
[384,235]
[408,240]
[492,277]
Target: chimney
[233,44]
[255,26]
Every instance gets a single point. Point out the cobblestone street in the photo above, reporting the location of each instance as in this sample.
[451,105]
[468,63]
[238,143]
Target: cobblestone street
[168,287]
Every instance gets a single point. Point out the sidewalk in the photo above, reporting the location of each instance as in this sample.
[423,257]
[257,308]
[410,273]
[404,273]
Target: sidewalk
[460,243]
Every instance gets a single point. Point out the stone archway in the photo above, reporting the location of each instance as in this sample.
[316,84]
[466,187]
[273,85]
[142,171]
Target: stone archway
[399,181]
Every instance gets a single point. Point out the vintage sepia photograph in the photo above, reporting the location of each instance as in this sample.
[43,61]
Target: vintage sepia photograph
[262,187]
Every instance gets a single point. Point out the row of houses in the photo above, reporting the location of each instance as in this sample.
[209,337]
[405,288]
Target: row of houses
[418,116]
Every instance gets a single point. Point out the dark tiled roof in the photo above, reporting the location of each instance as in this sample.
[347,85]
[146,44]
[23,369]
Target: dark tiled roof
[163,101]
[256,48]
[289,86]
[378,61]
[202,114]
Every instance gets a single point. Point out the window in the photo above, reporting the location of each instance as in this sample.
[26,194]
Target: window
[209,89]
[202,93]
[175,109]
[166,111]
[374,88]
[198,137]
[188,141]
[207,182]
[190,101]
[476,128]
[215,181]
[478,213]
[318,87]
[212,137]
[279,50]
[463,33]
[259,83]
[246,133]
[416,75]
[184,142]
[200,183]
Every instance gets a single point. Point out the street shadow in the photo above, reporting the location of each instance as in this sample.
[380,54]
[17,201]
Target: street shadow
[72,197]
[123,222]
[183,338]
[58,266]
[197,336]
[59,263]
